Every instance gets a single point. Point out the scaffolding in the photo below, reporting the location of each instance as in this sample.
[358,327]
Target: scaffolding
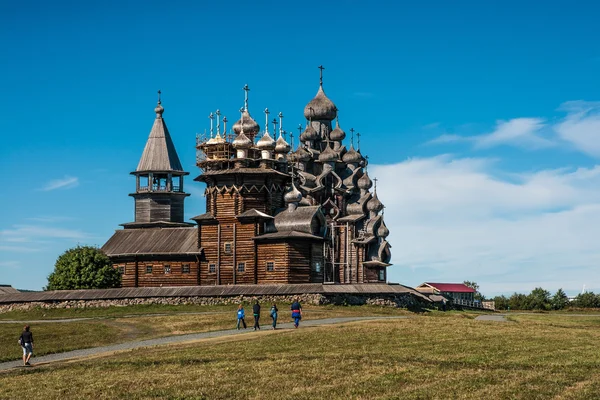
[214,153]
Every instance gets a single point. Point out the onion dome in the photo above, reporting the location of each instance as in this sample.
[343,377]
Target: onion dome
[301,154]
[352,156]
[365,182]
[281,146]
[309,134]
[159,110]
[293,196]
[216,139]
[320,108]
[249,125]
[374,204]
[383,231]
[328,155]
[266,142]
[241,142]
[337,134]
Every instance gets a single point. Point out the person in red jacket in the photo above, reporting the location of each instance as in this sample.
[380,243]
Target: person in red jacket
[296,312]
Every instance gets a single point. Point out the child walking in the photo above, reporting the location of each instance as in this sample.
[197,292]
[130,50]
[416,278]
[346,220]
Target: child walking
[241,314]
[274,315]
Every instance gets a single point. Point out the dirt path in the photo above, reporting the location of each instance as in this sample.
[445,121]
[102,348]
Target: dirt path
[493,317]
[38,361]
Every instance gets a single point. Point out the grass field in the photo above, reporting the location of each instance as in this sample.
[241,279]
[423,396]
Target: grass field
[445,356]
[122,324]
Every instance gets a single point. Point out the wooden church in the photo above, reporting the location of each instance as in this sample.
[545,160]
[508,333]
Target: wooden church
[274,215]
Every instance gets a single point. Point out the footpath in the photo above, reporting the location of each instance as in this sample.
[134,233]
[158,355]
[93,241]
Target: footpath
[50,358]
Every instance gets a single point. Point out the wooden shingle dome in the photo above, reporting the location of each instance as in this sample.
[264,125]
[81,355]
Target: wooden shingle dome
[320,108]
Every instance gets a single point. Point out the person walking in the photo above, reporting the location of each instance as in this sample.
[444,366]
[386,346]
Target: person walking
[241,314]
[296,312]
[256,312]
[274,315]
[26,342]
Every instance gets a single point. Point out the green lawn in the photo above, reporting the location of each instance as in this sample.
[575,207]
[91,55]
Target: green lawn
[117,325]
[148,309]
[103,312]
[425,357]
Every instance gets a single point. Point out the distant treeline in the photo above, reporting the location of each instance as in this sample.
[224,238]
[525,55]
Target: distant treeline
[540,299]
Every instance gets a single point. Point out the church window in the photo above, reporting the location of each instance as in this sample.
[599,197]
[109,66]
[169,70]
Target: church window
[227,247]
[382,275]
[212,268]
[241,267]
[317,266]
[121,269]
[270,266]
[185,268]
[167,269]
[148,269]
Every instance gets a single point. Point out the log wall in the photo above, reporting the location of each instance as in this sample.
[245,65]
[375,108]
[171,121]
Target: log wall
[276,253]
[299,261]
[154,207]
[208,242]
[372,275]
[158,276]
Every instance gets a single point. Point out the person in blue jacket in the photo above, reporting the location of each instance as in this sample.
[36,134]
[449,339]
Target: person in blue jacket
[241,314]
[296,312]
[274,315]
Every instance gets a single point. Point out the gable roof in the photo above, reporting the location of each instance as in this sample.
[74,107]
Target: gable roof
[451,287]
[159,153]
[253,213]
[128,242]
[7,289]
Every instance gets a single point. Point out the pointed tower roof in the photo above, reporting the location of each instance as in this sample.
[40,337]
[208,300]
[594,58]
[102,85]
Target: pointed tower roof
[159,153]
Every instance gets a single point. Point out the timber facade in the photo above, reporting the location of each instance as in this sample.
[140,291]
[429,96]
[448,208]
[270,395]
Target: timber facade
[274,215]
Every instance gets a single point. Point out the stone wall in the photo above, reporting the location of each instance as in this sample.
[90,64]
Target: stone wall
[397,300]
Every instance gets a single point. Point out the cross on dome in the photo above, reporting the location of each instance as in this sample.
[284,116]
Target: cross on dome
[321,75]
[246,90]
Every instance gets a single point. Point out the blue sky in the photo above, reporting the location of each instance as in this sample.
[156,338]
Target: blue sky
[480,118]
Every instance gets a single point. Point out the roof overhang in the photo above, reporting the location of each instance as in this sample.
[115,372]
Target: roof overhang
[205,219]
[374,263]
[288,235]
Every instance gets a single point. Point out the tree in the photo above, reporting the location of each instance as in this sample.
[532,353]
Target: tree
[559,300]
[538,299]
[83,267]
[517,301]
[475,286]
[500,302]
[587,300]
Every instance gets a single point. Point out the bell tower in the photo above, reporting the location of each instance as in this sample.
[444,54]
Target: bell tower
[159,194]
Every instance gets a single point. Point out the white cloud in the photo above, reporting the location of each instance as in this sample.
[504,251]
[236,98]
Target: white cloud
[453,220]
[448,138]
[523,132]
[65,183]
[36,234]
[520,132]
[581,126]
[10,264]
